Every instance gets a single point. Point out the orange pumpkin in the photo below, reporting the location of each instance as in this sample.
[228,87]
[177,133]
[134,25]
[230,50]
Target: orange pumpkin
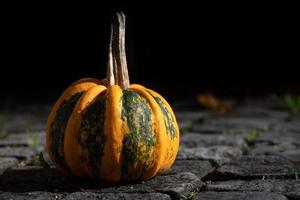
[112,130]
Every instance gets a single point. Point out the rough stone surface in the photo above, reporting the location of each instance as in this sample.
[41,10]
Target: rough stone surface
[124,188]
[295,158]
[30,196]
[116,196]
[218,154]
[292,126]
[259,112]
[222,125]
[19,152]
[20,122]
[271,102]
[198,167]
[239,196]
[258,166]
[290,188]
[280,137]
[6,163]
[264,148]
[251,152]
[24,139]
[178,185]
[206,128]
[206,140]
[34,178]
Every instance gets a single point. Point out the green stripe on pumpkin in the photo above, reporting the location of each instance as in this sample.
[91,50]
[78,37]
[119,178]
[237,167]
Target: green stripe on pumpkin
[58,127]
[92,137]
[168,118]
[141,135]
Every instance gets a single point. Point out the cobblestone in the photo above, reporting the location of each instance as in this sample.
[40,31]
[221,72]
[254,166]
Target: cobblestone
[252,152]
[290,188]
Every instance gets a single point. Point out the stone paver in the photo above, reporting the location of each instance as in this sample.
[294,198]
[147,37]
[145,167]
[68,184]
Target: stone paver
[206,140]
[123,188]
[19,152]
[292,126]
[34,178]
[24,139]
[295,158]
[6,163]
[15,123]
[178,185]
[198,167]
[30,196]
[251,152]
[259,112]
[116,196]
[283,148]
[272,103]
[257,166]
[217,154]
[279,137]
[239,196]
[221,125]
[290,188]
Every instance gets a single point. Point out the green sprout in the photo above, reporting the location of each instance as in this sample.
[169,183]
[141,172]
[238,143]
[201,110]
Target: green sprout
[32,140]
[246,148]
[191,195]
[293,102]
[249,140]
[251,136]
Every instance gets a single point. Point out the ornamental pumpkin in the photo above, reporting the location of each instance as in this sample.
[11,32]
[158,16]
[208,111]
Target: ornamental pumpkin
[112,130]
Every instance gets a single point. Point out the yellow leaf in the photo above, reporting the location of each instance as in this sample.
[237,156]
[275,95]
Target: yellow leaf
[210,102]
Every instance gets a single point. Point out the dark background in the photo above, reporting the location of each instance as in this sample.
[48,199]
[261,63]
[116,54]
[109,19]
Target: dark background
[179,49]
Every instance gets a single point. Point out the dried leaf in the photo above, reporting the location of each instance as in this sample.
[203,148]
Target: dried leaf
[210,102]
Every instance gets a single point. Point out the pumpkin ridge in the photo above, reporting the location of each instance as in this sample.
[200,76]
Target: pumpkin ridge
[161,136]
[139,142]
[92,138]
[174,143]
[74,155]
[58,127]
[168,118]
[111,170]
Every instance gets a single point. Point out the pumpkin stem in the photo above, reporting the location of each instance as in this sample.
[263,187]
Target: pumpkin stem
[110,65]
[117,71]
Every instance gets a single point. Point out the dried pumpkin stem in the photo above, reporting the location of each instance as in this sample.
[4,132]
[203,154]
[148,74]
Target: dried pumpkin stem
[110,65]
[117,71]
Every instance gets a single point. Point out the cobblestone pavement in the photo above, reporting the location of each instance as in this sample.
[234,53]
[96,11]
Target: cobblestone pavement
[252,153]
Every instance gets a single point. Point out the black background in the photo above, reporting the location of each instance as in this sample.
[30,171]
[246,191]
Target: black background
[178,49]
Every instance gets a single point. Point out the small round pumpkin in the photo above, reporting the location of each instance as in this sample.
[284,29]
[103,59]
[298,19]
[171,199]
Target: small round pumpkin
[112,130]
